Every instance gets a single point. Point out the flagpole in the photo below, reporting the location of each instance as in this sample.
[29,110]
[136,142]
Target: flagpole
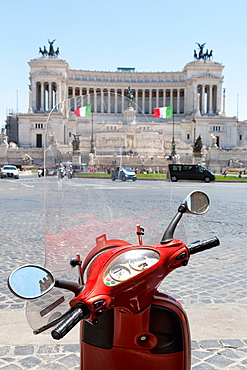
[173,152]
[92,140]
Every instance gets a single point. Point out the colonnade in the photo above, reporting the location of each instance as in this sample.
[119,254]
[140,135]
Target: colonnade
[45,96]
[209,99]
[111,100]
[105,100]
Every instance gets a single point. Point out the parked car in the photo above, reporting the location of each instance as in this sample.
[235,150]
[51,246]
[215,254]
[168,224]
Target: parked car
[51,171]
[179,171]
[9,171]
[123,173]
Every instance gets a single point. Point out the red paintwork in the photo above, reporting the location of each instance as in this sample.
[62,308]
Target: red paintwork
[131,301]
[127,353]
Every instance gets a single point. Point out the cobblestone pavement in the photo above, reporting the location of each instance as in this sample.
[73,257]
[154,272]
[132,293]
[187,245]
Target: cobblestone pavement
[206,355]
[213,279]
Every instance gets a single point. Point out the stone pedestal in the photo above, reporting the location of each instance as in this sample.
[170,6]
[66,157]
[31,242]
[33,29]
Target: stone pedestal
[197,158]
[129,116]
[212,159]
[76,157]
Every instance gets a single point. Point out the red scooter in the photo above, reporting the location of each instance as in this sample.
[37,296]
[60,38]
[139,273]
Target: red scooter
[126,323]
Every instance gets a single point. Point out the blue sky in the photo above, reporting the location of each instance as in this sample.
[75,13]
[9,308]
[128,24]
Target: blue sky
[157,35]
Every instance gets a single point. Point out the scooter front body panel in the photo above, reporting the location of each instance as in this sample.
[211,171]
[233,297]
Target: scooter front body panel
[156,338]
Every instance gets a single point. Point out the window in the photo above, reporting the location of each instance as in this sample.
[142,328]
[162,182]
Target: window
[240,137]
[188,136]
[199,168]
[39,141]
[186,168]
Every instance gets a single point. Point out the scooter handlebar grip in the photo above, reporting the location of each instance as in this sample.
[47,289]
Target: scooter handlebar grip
[202,246]
[71,320]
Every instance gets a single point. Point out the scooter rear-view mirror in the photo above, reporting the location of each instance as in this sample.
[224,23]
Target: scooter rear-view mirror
[196,202]
[30,281]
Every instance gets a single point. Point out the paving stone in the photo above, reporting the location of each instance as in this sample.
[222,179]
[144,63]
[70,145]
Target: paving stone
[194,360]
[234,343]
[230,353]
[202,354]
[24,350]
[4,350]
[71,360]
[210,344]
[52,357]
[12,367]
[244,362]
[194,345]
[71,348]
[203,367]
[29,362]
[8,359]
[53,366]
[49,349]
[219,360]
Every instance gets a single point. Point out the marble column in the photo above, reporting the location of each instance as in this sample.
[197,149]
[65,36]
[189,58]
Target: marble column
[218,102]
[88,96]
[195,98]
[73,95]
[150,101]
[203,99]
[30,110]
[109,101]
[95,100]
[185,101]
[42,97]
[143,100]
[50,96]
[102,101]
[136,100]
[178,101]
[115,101]
[35,98]
[171,96]
[122,100]
[157,98]
[210,99]
[164,97]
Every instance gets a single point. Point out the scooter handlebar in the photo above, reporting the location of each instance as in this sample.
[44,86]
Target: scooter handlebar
[202,246]
[71,320]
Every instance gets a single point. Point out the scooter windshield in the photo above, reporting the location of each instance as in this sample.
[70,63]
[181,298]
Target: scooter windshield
[87,195]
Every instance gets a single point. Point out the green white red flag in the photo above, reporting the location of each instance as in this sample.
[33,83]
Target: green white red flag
[84,111]
[163,112]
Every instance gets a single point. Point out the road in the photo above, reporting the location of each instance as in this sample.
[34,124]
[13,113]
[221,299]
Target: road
[212,288]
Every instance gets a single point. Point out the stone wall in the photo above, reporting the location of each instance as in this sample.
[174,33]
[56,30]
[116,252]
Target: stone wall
[218,160]
[15,155]
[215,159]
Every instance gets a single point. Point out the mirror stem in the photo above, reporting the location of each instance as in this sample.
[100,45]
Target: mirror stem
[168,235]
[73,287]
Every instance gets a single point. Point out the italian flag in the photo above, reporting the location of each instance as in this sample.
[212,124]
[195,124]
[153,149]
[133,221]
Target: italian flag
[84,111]
[164,112]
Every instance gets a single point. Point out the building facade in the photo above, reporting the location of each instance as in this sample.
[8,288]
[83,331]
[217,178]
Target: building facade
[196,94]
